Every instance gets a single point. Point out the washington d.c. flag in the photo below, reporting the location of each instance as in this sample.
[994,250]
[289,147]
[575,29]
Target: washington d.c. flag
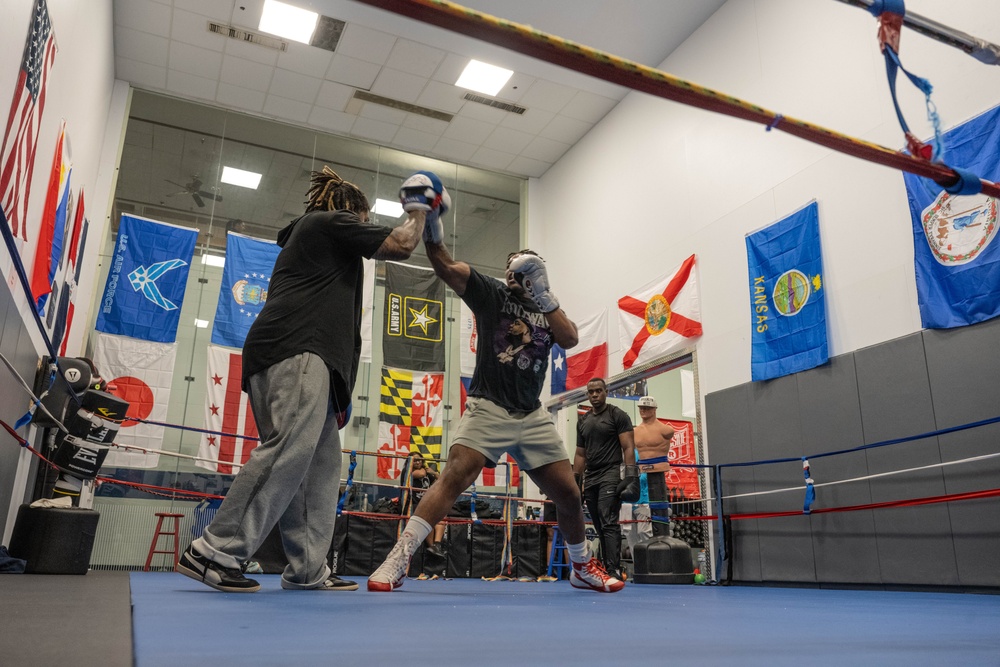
[589,359]
[660,317]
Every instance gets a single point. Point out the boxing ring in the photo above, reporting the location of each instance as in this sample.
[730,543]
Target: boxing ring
[500,619]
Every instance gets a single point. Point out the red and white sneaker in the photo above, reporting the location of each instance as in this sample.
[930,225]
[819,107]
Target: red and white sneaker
[391,573]
[593,576]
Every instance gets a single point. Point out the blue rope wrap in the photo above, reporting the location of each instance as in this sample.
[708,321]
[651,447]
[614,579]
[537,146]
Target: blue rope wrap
[472,506]
[810,490]
[879,7]
[350,482]
[968,183]
[774,123]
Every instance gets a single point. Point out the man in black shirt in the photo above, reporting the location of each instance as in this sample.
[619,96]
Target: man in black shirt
[517,323]
[603,442]
[300,361]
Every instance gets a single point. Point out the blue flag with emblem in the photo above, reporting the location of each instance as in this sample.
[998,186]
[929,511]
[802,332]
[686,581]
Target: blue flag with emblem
[245,280]
[956,255]
[788,311]
[146,283]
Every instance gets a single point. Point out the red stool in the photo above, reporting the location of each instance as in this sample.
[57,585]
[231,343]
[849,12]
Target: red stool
[156,538]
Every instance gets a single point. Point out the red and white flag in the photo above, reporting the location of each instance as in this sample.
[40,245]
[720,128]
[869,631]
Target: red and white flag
[17,156]
[467,340]
[367,307]
[411,417]
[227,410]
[506,467]
[140,372]
[660,317]
[589,359]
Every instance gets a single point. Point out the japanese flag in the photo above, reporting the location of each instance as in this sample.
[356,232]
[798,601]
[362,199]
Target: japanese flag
[140,372]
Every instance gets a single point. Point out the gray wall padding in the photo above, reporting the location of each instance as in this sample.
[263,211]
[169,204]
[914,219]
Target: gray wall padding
[16,346]
[923,382]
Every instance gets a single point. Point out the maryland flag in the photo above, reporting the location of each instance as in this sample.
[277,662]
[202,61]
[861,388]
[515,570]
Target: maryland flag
[411,416]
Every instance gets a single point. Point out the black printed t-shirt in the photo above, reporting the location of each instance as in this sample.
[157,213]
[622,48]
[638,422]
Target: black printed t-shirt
[314,298]
[598,435]
[512,356]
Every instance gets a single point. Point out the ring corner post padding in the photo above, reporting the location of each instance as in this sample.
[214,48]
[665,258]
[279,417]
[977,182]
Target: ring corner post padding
[663,560]
[54,540]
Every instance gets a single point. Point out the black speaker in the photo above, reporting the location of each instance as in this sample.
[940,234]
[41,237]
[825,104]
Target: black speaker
[54,540]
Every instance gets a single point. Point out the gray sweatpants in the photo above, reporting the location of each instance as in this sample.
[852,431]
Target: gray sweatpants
[292,478]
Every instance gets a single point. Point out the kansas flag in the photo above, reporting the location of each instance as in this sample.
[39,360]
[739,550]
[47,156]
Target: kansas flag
[788,311]
[954,236]
[145,288]
[245,280]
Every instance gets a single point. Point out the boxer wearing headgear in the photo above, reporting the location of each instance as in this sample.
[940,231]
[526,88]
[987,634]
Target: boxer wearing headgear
[300,362]
[517,321]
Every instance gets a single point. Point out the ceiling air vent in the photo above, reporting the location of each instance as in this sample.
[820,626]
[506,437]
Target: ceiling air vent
[244,35]
[365,96]
[496,104]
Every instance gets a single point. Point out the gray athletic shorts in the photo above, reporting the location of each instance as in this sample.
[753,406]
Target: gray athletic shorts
[529,437]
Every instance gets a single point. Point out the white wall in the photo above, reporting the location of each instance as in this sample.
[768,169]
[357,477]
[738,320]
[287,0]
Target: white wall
[656,181]
[80,91]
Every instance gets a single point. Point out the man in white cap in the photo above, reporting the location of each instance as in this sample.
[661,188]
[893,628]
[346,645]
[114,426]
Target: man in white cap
[652,446]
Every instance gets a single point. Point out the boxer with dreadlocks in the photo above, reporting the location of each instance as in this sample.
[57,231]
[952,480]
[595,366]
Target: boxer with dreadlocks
[300,361]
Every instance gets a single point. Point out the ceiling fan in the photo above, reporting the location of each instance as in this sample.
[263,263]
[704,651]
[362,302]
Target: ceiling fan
[194,189]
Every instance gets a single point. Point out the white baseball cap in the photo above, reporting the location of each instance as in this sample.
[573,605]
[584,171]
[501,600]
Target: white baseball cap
[647,402]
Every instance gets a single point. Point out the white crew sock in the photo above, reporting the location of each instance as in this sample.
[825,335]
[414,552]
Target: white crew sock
[578,553]
[417,528]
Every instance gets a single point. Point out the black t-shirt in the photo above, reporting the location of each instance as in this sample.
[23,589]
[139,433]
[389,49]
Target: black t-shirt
[513,355]
[314,298]
[598,435]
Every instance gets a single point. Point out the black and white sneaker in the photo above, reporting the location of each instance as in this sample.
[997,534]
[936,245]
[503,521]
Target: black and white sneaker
[335,583]
[227,579]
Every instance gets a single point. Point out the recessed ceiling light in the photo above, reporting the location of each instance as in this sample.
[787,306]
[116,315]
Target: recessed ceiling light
[391,209]
[287,21]
[244,179]
[201,324]
[483,78]
[213,260]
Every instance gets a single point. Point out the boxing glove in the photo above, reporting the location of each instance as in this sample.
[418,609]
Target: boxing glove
[434,226]
[529,272]
[422,191]
[629,489]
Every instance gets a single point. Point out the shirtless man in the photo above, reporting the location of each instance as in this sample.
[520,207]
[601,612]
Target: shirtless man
[652,445]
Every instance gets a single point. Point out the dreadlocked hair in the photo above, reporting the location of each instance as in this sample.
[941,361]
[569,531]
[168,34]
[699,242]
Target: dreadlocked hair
[329,192]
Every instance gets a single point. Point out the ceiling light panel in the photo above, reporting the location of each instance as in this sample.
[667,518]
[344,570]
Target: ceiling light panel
[244,179]
[483,78]
[287,21]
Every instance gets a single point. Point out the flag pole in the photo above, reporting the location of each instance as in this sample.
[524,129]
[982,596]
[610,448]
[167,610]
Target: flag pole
[599,64]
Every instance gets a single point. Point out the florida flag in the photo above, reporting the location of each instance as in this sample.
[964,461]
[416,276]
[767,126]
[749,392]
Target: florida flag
[661,316]
[227,410]
[589,359]
[140,372]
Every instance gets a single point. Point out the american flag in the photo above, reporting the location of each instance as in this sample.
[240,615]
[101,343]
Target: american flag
[19,139]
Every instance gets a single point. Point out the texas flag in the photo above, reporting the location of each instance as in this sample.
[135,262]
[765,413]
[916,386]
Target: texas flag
[589,359]
[661,316]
